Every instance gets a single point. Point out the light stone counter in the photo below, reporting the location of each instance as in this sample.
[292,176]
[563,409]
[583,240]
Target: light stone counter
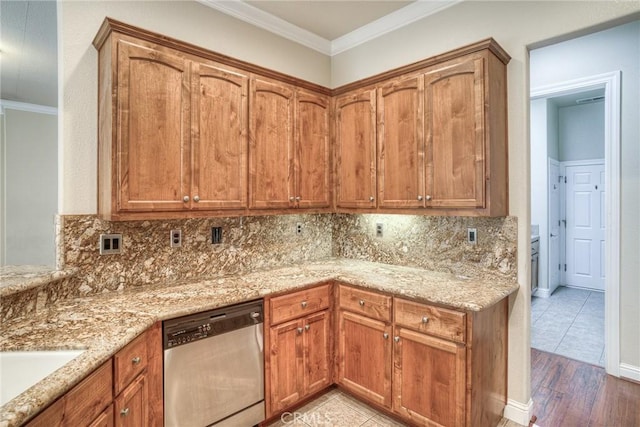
[105,323]
[17,278]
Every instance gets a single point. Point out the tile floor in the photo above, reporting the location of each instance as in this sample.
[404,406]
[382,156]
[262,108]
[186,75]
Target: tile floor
[337,409]
[570,323]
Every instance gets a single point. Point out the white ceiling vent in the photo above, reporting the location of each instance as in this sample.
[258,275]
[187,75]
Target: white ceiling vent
[589,100]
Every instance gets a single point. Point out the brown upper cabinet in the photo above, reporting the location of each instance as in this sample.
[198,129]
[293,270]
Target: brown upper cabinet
[355,137]
[186,132]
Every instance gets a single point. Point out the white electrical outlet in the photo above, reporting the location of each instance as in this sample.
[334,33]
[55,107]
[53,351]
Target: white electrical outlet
[472,236]
[379,229]
[299,228]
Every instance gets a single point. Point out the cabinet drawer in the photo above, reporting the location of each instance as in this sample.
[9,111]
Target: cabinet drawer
[89,398]
[367,303]
[129,362]
[300,303]
[429,319]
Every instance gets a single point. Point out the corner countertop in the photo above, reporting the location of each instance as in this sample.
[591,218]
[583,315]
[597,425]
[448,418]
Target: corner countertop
[17,278]
[103,324]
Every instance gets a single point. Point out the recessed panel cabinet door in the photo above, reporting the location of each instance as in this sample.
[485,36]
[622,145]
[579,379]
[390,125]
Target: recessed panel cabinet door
[219,146]
[401,144]
[153,129]
[317,345]
[271,145]
[285,357]
[312,164]
[455,130]
[356,149]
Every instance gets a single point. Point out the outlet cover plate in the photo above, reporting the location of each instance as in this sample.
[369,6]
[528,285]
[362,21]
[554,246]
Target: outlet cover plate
[110,244]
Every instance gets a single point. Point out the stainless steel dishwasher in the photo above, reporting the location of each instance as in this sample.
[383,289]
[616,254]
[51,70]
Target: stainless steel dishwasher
[214,368]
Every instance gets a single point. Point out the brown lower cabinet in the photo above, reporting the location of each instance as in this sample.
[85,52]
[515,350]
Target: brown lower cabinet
[124,391]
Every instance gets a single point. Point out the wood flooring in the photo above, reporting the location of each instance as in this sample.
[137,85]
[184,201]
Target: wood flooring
[568,393]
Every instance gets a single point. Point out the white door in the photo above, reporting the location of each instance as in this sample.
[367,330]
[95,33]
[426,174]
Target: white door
[554,226]
[585,226]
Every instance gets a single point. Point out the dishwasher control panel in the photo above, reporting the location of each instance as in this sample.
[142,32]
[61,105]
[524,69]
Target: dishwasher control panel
[195,327]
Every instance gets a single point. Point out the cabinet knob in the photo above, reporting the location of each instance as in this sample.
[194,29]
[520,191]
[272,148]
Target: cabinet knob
[299,330]
[124,412]
[291,198]
[385,336]
[307,327]
[419,198]
[425,319]
[303,304]
[196,199]
[297,198]
[396,339]
[428,197]
[371,198]
[361,302]
[136,360]
[185,199]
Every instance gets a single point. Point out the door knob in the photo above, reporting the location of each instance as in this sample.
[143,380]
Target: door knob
[299,330]
[361,302]
[196,199]
[425,319]
[397,339]
[419,198]
[371,198]
[307,327]
[185,199]
[428,197]
[385,335]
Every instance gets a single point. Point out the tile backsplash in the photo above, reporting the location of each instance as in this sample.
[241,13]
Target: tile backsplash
[262,242]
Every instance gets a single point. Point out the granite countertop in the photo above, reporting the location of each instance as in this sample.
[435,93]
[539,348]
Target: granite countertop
[103,324]
[17,278]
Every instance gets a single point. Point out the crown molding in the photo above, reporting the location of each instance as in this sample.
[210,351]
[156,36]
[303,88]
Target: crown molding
[24,106]
[247,13]
[397,19]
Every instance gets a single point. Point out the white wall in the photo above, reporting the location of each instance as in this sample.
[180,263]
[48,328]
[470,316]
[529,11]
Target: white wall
[30,175]
[606,51]
[515,25]
[581,131]
[553,138]
[188,21]
[539,178]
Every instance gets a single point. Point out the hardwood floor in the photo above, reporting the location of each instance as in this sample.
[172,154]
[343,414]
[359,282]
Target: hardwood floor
[569,393]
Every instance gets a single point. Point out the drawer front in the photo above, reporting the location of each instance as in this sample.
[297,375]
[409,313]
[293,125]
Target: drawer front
[367,303]
[441,322]
[129,362]
[89,398]
[300,303]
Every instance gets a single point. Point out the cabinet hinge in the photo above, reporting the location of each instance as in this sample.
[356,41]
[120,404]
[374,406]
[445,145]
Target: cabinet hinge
[565,179]
[558,267]
[565,267]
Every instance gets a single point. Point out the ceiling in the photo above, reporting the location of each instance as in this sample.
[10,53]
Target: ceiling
[571,100]
[28,45]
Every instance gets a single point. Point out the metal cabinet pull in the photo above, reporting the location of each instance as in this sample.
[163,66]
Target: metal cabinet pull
[428,197]
[136,360]
[371,198]
[361,302]
[303,304]
[307,327]
[396,339]
[185,199]
[385,336]
[419,198]
[297,198]
[196,199]
[425,319]
[291,198]
[299,330]
[124,412]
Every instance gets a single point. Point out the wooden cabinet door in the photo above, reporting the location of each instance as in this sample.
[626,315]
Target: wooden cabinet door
[105,419]
[313,155]
[401,143]
[364,357]
[131,406]
[429,379]
[317,352]
[271,145]
[285,358]
[455,143]
[355,136]
[219,146]
[153,129]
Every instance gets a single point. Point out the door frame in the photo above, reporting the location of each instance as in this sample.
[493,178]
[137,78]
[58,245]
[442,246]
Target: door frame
[610,82]
[561,230]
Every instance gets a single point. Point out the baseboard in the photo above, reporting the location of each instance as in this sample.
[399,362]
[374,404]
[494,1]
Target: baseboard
[518,412]
[543,293]
[629,371]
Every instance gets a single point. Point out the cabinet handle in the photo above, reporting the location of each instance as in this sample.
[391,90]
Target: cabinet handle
[196,199]
[371,198]
[428,197]
[425,319]
[419,198]
[303,304]
[396,339]
[124,412]
[291,198]
[307,327]
[185,199]
[299,330]
[361,302]
[136,360]
[297,198]
[385,336]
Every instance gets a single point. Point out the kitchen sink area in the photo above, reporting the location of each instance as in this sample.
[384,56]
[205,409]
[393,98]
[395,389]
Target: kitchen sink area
[21,370]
